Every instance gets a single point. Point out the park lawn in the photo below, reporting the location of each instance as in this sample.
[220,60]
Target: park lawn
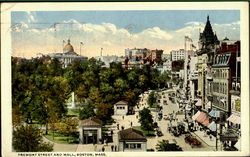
[62,139]
[73,112]
[145,132]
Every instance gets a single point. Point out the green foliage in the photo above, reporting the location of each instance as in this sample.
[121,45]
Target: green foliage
[29,139]
[151,99]
[40,88]
[61,138]
[146,119]
[237,105]
[164,145]
[86,111]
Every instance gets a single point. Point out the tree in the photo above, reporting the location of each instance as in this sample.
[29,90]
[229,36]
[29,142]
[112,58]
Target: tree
[146,119]
[151,99]
[16,116]
[86,111]
[29,139]
[164,145]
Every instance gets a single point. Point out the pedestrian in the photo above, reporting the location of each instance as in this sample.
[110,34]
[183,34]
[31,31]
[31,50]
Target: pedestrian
[115,148]
[136,116]
[106,141]
[131,124]
[117,126]
[103,149]
[123,117]
[112,148]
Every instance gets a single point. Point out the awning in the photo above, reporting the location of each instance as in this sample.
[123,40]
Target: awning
[196,115]
[234,119]
[206,122]
[238,144]
[212,126]
[203,119]
[198,103]
[214,113]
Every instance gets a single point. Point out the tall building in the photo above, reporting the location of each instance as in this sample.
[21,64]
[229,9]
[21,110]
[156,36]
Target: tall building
[208,45]
[223,70]
[177,55]
[68,55]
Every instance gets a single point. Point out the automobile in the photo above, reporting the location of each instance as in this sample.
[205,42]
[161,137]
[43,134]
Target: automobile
[159,133]
[193,141]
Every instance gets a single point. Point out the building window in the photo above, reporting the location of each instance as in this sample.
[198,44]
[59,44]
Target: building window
[133,146]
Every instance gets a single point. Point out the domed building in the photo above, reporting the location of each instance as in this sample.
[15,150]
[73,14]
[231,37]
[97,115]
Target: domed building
[68,55]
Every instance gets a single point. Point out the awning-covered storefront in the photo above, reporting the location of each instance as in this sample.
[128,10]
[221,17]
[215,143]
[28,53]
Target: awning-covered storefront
[234,119]
[214,113]
[196,115]
[212,126]
[206,122]
[203,119]
[198,103]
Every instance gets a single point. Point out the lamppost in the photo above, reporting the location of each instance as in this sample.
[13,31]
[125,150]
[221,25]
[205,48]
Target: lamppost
[216,115]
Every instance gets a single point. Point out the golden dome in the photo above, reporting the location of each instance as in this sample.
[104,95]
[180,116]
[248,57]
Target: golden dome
[68,48]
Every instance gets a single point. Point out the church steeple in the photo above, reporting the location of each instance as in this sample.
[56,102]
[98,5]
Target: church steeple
[208,38]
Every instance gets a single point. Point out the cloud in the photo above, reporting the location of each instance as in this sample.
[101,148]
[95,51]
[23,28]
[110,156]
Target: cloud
[31,17]
[107,35]
[20,27]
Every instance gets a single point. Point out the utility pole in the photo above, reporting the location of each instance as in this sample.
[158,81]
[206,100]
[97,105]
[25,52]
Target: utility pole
[101,51]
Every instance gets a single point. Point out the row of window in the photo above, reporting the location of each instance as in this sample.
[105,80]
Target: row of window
[120,108]
[220,73]
[133,146]
[219,87]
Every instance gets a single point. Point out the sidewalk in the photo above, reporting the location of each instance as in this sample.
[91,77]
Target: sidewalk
[205,138]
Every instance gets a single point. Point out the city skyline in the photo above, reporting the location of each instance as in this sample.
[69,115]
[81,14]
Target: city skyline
[104,29]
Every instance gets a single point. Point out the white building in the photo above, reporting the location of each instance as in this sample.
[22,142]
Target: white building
[121,108]
[177,54]
[68,55]
[90,131]
[107,60]
[193,76]
[131,140]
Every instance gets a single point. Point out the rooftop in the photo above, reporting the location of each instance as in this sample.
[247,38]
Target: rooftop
[131,135]
[90,122]
[121,102]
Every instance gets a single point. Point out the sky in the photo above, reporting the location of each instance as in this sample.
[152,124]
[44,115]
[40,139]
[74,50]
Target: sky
[114,31]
